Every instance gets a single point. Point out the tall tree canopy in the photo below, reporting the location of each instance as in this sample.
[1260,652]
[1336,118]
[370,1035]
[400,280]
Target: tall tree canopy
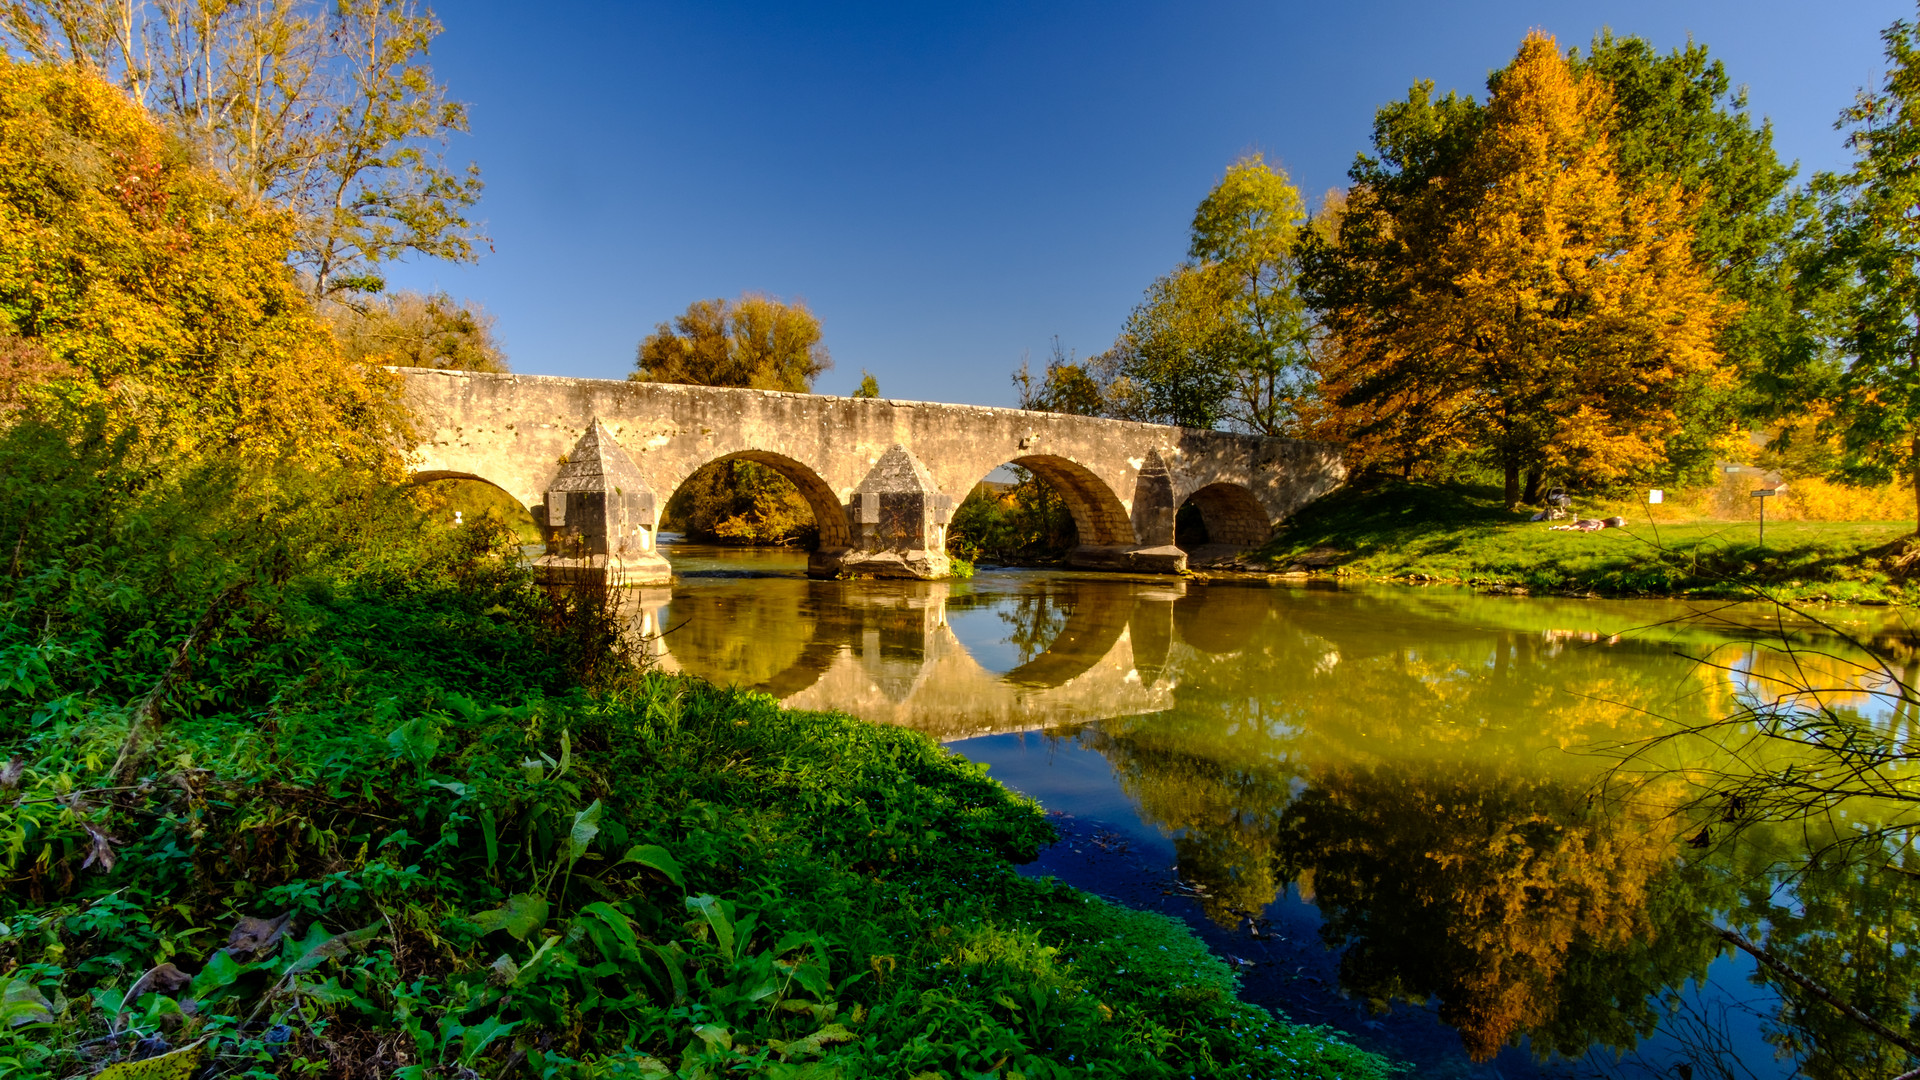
[1497,284]
[1223,338]
[161,293]
[410,329]
[755,341]
[1868,268]
[326,108]
[1677,118]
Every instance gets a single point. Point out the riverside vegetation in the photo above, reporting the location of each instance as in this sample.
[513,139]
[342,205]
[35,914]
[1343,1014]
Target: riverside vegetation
[478,843]
[1462,533]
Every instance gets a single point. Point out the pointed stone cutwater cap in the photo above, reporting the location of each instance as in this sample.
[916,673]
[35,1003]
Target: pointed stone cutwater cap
[1153,506]
[897,471]
[599,463]
[897,495]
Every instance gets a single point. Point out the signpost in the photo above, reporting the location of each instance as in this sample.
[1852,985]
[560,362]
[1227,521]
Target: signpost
[1763,495]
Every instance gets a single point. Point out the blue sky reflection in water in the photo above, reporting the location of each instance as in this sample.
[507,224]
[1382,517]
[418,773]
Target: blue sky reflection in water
[1394,764]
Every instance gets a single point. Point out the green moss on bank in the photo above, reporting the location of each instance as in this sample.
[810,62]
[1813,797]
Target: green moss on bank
[491,875]
[1462,533]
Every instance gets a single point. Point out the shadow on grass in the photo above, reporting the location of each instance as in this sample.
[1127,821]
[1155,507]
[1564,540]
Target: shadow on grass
[1461,532]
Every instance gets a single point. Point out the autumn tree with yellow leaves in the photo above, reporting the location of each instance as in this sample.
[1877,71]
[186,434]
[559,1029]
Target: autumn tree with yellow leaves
[1536,307]
[159,297]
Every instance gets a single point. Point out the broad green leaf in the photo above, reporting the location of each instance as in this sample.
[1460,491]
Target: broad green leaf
[220,972]
[655,857]
[415,740]
[521,915]
[321,946]
[506,970]
[606,915]
[476,1038]
[490,833]
[23,1003]
[812,975]
[586,826]
[710,908]
[812,1044]
[672,960]
[714,1035]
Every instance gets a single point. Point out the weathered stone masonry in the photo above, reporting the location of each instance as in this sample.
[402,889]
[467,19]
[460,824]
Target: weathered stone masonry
[597,460]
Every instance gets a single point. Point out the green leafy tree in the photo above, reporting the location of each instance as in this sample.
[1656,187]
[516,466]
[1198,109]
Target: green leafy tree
[1174,357]
[1246,229]
[1867,265]
[869,386]
[1362,275]
[1066,386]
[1223,338]
[328,110]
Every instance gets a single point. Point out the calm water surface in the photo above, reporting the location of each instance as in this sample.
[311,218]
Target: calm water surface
[1402,812]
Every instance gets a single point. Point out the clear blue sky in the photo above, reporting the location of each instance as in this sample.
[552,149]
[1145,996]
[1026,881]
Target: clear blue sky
[949,186]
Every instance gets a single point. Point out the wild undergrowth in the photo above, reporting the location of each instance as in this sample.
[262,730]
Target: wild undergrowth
[397,811]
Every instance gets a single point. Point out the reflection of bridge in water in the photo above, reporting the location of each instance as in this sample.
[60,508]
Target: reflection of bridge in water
[890,654]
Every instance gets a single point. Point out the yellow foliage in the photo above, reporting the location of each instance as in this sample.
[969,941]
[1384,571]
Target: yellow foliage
[167,294]
[1555,316]
[1814,499]
[754,341]
[1805,499]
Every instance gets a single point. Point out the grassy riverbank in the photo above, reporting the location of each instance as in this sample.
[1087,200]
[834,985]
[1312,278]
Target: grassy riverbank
[500,856]
[1462,533]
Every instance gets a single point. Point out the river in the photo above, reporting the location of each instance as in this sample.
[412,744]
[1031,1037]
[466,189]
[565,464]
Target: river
[1429,818]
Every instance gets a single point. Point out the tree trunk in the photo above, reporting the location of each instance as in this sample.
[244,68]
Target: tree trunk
[1513,481]
[1532,496]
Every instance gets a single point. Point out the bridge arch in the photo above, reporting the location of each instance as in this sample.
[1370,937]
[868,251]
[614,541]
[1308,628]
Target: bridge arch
[523,520]
[1098,515]
[1232,515]
[829,516]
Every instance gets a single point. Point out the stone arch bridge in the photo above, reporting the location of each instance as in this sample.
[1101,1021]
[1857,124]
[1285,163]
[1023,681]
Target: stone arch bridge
[596,460]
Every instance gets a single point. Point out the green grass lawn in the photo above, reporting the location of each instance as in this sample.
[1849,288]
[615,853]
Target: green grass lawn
[1462,533]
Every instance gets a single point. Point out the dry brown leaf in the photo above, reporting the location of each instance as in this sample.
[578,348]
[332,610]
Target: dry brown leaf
[162,979]
[102,853]
[254,938]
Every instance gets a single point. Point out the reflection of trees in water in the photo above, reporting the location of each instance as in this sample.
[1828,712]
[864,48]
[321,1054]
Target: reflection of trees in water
[744,638]
[1516,903]
[1850,924]
[1034,619]
[1414,785]
[1225,819]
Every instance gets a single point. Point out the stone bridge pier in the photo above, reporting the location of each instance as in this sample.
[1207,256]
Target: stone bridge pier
[596,462]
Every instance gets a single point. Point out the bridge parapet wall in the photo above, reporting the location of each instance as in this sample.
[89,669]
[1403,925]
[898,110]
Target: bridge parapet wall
[1123,481]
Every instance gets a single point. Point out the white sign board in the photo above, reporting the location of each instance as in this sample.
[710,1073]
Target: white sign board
[1656,496]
